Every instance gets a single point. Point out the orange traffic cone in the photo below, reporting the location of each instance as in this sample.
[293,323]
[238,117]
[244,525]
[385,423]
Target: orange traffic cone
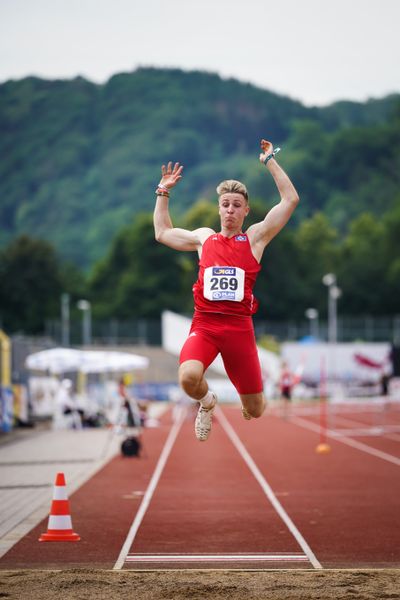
[59,528]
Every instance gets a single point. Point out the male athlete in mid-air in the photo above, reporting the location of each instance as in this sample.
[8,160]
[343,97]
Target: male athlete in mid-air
[223,293]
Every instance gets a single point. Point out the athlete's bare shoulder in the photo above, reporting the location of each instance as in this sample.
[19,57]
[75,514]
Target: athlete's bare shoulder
[203,233]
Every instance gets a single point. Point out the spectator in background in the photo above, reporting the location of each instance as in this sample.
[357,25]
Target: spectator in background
[67,413]
[135,411]
[385,379]
[286,382]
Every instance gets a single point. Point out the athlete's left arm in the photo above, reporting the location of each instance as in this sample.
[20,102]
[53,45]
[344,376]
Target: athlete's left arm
[260,234]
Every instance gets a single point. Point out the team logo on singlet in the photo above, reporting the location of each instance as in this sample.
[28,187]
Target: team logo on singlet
[240,238]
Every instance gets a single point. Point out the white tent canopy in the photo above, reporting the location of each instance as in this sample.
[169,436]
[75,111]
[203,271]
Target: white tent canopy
[65,360]
[107,361]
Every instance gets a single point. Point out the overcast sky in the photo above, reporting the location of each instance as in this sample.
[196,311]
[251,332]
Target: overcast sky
[317,51]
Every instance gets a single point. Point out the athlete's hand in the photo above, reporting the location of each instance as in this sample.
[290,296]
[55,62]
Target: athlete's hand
[267,148]
[171,175]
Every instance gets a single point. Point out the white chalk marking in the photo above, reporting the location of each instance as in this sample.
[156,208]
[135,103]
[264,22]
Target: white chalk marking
[346,440]
[150,490]
[179,558]
[267,489]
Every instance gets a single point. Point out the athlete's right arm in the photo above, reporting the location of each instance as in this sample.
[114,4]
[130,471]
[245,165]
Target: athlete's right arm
[174,237]
[165,232]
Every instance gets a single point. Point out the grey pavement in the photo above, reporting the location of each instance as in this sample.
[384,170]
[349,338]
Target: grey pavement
[29,463]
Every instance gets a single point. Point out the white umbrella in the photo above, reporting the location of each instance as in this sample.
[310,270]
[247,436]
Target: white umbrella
[55,360]
[108,362]
[65,360]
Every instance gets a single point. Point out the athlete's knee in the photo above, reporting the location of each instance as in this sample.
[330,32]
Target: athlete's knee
[190,377]
[254,406]
[257,411]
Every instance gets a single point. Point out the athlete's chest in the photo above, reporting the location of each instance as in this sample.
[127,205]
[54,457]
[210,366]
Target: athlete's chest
[219,250]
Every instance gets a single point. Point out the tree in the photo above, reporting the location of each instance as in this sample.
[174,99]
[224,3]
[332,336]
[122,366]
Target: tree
[391,261]
[362,266]
[77,159]
[314,254]
[277,284]
[140,277]
[31,284]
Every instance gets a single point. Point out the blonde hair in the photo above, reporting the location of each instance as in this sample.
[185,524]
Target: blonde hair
[231,186]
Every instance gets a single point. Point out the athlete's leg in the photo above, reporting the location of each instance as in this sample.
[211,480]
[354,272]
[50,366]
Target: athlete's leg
[197,354]
[242,365]
[192,380]
[253,405]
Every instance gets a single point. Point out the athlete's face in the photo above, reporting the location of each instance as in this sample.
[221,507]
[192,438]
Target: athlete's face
[233,208]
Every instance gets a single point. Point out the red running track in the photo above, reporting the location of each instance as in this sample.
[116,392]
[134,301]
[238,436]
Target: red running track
[255,495]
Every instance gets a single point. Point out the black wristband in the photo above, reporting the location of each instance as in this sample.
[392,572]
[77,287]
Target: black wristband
[160,192]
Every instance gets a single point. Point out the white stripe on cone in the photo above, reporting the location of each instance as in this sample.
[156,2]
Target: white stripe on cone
[59,522]
[60,493]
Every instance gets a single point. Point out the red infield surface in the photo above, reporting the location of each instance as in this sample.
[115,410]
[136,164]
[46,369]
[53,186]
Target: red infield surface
[256,495]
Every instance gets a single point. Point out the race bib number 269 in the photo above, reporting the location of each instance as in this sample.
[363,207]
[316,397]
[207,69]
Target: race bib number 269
[224,283]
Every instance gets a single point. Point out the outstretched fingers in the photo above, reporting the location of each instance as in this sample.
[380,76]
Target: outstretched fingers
[177,170]
[166,170]
[171,174]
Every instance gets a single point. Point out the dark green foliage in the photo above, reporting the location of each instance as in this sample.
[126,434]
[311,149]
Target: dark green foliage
[362,266]
[80,162]
[30,285]
[139,275]
[78,159]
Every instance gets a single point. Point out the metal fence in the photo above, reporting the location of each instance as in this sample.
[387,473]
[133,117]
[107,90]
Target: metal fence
[112,332]
[349,329]
[148,332]
[116,332]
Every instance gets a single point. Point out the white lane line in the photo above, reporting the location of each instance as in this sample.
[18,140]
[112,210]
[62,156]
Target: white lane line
[150,490]
[363,429]
[175,558]
[267,489]
[346,440]
[371,432]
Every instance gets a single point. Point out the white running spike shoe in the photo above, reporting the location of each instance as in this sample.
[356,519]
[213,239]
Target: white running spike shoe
[202,425]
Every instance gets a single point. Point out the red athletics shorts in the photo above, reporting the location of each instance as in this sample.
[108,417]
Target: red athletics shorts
[233,337]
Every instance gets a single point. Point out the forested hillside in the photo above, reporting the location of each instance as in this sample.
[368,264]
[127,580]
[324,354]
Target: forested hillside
[79,160]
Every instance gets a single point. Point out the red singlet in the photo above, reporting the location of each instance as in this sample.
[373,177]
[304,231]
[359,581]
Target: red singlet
[227,274]
[224,303]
